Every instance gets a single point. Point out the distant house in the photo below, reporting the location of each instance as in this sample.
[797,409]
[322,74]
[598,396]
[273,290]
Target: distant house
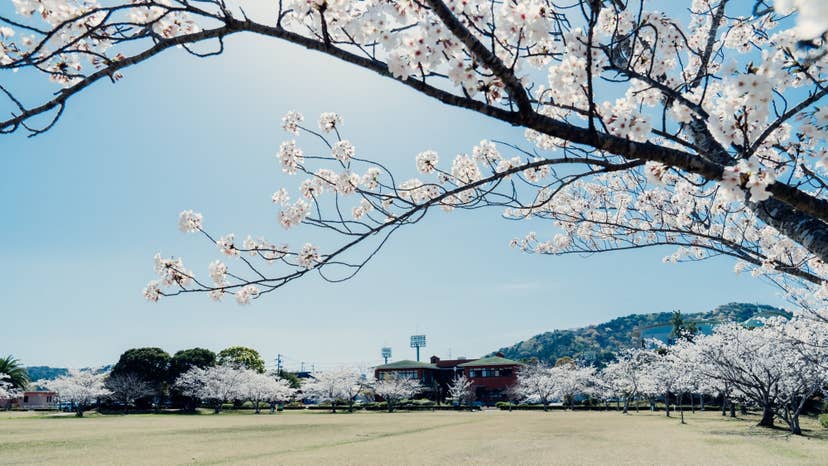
[32,400]
[490,376]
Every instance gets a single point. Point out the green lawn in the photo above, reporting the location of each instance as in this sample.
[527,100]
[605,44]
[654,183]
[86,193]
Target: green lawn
[489,437]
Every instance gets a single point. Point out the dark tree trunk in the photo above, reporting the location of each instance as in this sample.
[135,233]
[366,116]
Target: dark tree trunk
[732,409]
[795,429]
[767,416]
[667,403]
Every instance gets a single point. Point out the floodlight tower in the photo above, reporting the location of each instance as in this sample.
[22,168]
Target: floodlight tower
[386,353]
[418,341]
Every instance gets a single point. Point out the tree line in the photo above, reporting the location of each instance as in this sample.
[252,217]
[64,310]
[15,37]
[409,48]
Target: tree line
[779,366]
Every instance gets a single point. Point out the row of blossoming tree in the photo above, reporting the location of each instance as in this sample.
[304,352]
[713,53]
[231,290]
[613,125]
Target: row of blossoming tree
[217,385]
[777,367]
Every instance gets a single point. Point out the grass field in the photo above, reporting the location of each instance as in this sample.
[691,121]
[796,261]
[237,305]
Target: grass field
[489,437]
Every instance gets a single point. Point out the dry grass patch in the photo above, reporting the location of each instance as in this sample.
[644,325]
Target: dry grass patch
[490,437]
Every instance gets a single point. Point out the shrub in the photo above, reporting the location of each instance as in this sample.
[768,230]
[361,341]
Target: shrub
[823,419]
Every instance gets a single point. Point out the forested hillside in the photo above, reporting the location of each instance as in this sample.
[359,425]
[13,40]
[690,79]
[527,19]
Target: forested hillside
[597,343]
[48,373]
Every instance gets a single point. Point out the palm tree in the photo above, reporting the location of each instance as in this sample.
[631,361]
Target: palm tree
[18,376]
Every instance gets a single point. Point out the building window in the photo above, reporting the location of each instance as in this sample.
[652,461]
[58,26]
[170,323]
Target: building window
[489,372]
[400,374]
[25,398]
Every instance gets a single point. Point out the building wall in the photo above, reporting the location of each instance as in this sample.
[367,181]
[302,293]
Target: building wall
[491,389]
[38,400]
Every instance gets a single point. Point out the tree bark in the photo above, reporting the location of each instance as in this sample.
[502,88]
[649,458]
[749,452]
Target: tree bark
[667,403]
[767,416]
[795,429]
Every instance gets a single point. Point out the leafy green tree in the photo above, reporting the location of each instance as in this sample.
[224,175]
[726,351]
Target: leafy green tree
[184,360]
[682,329]
[149,364]
[181,362]
[242,356]
[291,379]
[18,376]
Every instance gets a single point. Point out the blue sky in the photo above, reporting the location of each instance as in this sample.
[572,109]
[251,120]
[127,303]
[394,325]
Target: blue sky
[85,206]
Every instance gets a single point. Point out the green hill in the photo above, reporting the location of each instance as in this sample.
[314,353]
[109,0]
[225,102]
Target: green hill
[37,373]
[597,344]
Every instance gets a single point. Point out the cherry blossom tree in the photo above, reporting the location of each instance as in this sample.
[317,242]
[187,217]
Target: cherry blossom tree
[460,390]
[571,381]
[641,129]
[264,388]
[395,389]
[629,374]
[672,374]
[215,385]
[127,388]
[81,388]
[536,383]
[778,366]
[7,390]
[333,386]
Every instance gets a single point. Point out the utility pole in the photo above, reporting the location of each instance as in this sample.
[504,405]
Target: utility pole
[279,364]
[302,366]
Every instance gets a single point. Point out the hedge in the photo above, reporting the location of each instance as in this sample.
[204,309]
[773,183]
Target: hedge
[502,405]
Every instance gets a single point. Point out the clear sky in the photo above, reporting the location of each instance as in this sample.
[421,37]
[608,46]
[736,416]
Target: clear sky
[85,206]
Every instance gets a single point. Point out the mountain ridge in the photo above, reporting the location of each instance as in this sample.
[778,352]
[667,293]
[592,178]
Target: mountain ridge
[597,344]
